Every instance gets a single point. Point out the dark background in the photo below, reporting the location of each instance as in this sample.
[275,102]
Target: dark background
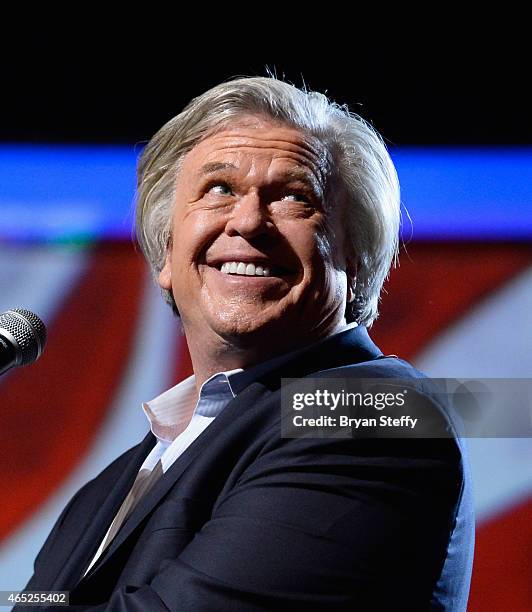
[98,92]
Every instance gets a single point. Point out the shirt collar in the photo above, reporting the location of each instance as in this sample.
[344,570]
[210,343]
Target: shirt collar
[171,412]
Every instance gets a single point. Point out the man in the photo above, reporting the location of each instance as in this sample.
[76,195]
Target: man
[270,219]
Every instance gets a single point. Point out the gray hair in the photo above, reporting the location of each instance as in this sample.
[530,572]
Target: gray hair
[360,160]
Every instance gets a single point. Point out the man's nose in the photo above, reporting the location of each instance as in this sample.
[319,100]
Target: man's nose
[250,218]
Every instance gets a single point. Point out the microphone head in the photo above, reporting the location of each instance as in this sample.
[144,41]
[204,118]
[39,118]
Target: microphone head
[27,331]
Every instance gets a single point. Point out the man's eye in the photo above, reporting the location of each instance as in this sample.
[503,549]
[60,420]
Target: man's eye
[295,197]
[220,189]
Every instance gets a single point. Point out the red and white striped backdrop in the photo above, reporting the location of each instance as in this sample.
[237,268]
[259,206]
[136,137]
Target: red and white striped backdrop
[453,309]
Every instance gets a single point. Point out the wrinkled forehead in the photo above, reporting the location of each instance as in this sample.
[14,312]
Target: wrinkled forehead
[252,138]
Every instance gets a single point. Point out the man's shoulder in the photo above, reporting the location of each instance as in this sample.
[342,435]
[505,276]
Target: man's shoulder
[384,366]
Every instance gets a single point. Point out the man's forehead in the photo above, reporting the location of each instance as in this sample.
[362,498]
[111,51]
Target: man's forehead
[266,140]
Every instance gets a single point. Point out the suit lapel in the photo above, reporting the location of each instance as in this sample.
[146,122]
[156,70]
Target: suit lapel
[250,397]
[90,538]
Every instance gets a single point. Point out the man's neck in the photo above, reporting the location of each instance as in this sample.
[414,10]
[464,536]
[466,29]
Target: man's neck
[222,355]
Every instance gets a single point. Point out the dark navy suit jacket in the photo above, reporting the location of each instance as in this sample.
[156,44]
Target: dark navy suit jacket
[245,520]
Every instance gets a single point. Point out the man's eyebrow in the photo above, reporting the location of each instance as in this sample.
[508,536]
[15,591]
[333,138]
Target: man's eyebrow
[299,174]
[291,174]
[212,167]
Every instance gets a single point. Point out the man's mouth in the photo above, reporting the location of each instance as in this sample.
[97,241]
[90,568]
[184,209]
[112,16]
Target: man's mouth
[245,269]
[247,265]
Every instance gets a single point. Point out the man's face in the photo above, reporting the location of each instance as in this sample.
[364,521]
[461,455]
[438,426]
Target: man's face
[252,237]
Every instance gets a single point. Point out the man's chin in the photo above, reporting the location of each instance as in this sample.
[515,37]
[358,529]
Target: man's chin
[243,331]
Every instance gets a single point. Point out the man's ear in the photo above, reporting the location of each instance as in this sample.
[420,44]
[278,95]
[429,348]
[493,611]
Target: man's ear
[165,275]
[351,271]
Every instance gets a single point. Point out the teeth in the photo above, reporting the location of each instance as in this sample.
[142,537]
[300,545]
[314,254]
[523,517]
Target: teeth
[239,267]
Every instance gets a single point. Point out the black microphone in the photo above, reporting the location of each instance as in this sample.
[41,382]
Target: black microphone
[22,338]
